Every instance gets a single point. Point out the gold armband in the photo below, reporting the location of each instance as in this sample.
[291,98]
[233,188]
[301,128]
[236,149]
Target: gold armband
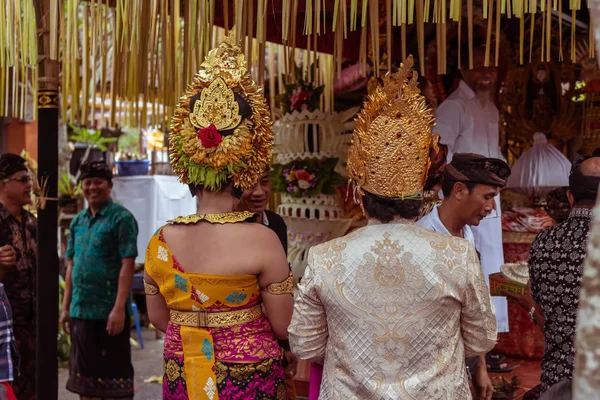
[284,287]
[149,289]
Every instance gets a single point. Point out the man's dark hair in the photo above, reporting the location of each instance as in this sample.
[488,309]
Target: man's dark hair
[448,185]
[386,209]
[596,153]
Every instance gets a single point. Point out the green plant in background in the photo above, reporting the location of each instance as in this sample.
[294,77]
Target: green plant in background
[68,188]
[91,138]
[64,340]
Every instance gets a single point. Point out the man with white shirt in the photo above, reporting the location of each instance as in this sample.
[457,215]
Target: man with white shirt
[467,121]
[470,184]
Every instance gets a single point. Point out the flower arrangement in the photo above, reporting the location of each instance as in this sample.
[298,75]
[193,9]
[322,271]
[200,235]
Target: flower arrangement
[300,180]
[299,94]
[306,178]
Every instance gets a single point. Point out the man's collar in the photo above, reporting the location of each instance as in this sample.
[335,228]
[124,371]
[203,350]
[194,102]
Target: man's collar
[265,220]
[581,212]
[102,209]
[466,90]
[4,213]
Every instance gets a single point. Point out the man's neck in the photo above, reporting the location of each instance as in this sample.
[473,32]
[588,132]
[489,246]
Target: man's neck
[449,218]
[15,210]
[94,208]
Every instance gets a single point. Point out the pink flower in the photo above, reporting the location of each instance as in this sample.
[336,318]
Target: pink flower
[299,99]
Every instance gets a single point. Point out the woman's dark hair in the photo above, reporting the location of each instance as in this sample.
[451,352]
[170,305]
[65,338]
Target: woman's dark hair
[385,209]
[235,191]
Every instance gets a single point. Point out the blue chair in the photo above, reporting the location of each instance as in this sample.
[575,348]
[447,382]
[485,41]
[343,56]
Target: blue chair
[138,326]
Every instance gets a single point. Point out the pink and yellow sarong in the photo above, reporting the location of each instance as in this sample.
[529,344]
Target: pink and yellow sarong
[241,361]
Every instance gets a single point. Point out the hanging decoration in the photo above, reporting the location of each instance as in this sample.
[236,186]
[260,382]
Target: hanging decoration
[128,60]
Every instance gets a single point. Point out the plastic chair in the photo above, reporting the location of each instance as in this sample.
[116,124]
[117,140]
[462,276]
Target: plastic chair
[138,326]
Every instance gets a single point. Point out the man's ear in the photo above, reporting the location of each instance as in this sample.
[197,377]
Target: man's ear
[570,197]
[459,190]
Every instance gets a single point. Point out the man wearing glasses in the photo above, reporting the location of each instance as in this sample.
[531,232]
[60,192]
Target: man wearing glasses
[18,260]
[470,184]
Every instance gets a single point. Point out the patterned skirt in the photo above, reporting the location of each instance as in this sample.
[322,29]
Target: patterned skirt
[100,365]
[260,380]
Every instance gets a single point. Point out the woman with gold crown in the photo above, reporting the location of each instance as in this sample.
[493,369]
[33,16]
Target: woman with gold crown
[392,308]
[220,287]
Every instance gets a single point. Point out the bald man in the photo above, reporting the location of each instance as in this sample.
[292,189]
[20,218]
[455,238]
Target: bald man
[555,270]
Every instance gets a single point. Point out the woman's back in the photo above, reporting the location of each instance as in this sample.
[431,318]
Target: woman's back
[214,300]
[224,249]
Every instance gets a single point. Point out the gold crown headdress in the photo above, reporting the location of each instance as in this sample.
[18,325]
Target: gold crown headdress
[221,128]
[389,151]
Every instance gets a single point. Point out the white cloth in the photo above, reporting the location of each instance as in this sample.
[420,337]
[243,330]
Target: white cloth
[433,222]
[467,126]
[540,169]
[153,200]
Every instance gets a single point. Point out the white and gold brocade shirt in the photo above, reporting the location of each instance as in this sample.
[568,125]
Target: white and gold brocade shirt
[392,310]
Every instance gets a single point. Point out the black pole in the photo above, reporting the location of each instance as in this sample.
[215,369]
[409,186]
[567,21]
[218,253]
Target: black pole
[47,264]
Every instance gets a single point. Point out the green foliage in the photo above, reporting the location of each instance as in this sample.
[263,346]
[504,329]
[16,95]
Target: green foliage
[90,137]
[67,187]
[63,340]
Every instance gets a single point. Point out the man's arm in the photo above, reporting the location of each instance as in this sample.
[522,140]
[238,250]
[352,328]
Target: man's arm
[478,319]
[116,319]
[448,124]
[127,232]
[65,315]
[67,295]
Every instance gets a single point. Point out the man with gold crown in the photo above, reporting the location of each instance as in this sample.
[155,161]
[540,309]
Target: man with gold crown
[218,284]
[392,308]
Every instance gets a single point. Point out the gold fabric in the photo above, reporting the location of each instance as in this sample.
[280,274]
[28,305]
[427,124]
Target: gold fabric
[223,218]
[389,151]
[203,319]
[393,309]
[284,287]
[149,289]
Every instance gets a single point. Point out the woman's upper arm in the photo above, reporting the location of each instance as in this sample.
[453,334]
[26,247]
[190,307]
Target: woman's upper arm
[276,285]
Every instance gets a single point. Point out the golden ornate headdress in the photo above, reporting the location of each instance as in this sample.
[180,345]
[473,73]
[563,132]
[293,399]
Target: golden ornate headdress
[221,128]
[389,151]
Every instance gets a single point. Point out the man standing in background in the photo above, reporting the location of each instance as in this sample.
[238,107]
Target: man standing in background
[100,261]
[256,200]
[468,123]
[18,262]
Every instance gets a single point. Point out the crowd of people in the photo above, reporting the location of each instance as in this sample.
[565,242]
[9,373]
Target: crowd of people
[398,309]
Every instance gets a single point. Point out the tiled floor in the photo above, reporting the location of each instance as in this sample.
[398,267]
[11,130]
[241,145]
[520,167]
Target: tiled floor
[528,372]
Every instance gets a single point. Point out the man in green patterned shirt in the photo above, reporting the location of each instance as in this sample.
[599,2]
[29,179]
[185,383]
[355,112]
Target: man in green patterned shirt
[100,263]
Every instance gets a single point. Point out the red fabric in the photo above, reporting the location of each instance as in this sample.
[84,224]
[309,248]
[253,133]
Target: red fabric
[10,395]
[525,340]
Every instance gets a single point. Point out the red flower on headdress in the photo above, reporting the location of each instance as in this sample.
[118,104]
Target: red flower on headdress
[209,136]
